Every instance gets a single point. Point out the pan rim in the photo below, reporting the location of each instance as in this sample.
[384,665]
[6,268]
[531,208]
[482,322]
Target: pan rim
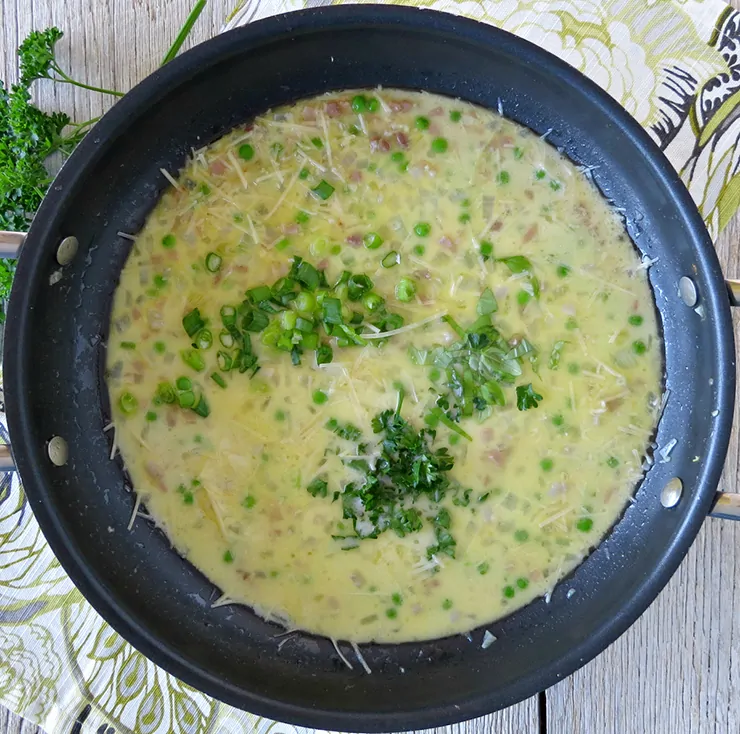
[121,117]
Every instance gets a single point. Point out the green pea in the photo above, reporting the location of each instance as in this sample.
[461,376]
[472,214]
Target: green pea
[391,613]
[523,298]
[509,592]
[422,229]
[150,416]
[447,604]
[359,103]
[585,524]
[486,249]
[160,347]
[612,462]
[635,320]
[440,145]
[557,420]
[372,104]
[397,599]
[522,583]
[639,347]
[320,397]
[246,152]
[419,250]
[521,535]
[169,241]
[422,123]
[546,464]
[455,115]
[563,271]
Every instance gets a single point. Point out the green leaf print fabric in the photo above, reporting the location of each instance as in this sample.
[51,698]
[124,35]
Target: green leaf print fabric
[673,64]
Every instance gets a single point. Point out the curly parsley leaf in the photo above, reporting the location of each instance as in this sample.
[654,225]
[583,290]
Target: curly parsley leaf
[526,397]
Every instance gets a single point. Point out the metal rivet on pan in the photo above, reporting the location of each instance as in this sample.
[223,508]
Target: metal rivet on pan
[58,451]
[67,250]
[687,291]
[671,493]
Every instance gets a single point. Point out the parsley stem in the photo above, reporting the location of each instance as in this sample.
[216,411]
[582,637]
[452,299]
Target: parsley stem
[184,31]
[66,79]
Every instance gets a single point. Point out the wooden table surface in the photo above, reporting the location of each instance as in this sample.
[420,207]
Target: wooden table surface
[677,670]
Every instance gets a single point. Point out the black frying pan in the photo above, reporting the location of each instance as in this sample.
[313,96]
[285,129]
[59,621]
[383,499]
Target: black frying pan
[55,352]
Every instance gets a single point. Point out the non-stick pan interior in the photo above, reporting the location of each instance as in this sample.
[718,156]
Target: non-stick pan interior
[55,349]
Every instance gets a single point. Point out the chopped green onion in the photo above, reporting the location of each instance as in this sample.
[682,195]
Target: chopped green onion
[194,359]
[218,379]
[332,311]
[324,354]
[192,322]
[202,408]
[372,240]
[204,340]
[357,286]
[224,361]
[259,294]
[255,320]
[128,403]
[213,262]
[160,281]
[323,190]
[391,259]
[226,339]
[246,152]
[306,274]
[372,301]
[405,290]
[304,325]
[228,316]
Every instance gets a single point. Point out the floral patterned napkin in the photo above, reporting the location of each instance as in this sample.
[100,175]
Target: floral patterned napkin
[673,64]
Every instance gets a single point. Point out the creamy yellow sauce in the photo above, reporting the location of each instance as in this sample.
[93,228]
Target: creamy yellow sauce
[344,182]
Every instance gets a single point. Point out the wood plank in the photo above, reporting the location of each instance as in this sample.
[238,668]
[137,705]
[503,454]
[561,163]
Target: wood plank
[115,45]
